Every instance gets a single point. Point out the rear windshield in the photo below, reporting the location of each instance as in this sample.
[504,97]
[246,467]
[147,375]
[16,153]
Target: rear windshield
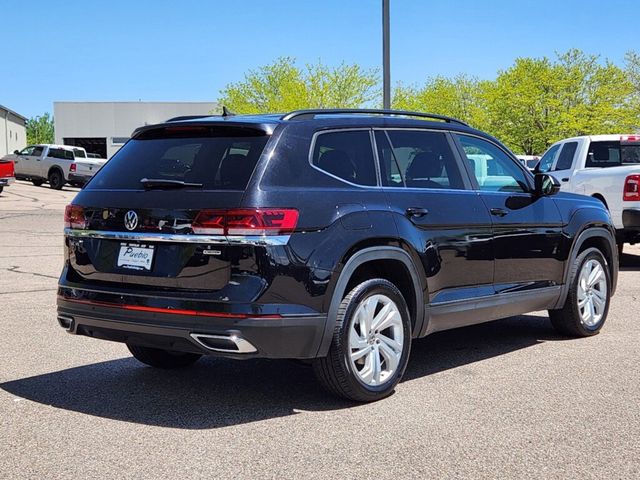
[612,154]
[218,158]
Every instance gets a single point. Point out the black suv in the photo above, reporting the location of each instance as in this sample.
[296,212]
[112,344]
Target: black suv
[335,236]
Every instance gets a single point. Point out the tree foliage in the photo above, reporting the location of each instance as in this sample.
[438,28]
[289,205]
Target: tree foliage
[40,129]
[283,86]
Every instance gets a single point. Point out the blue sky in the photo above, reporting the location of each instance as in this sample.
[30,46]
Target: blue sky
[188,50]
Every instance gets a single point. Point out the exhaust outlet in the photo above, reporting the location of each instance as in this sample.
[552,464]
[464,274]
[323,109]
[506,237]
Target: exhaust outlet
[224,343]
[66,322]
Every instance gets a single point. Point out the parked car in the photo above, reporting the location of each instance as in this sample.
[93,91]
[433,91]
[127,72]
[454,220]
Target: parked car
[529,161]
[81,170]
[46,163]
[606,167]
[333,236]
[7,175]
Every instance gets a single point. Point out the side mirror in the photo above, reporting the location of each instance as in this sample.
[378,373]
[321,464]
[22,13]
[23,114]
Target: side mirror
[16,152]
[546,185]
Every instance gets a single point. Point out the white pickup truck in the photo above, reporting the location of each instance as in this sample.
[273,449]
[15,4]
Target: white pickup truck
[606,167]
[46,163]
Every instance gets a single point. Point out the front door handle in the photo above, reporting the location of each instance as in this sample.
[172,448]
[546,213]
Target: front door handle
[565,179]
[417,212]
[498,212]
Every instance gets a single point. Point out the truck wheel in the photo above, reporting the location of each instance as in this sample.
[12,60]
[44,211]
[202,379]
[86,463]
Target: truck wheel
[37,183]
[587,304]
[56,180]
[159,358]
[371,343]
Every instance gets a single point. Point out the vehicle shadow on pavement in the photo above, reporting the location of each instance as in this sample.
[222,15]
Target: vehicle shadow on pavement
[629,263]
[219,392]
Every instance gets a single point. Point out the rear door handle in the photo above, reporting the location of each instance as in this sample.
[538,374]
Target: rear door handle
[498,212]
[565,179]
[417,212]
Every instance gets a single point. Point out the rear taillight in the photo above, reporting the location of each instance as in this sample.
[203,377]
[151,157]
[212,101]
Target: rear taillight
[259,221]
[631,192]
[73,167]
[74,217]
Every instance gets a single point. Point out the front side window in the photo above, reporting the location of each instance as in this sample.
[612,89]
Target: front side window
[347,155]
[546,162]
[37,151]
[494,170]
[27,151]
[565,160]
[417,159]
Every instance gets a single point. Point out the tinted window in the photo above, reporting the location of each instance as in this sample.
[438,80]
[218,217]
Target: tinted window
[217,157]
[565,160]
[37,151]
[546,162]
[494,170]
[79,153]
[347,155]
[612,154]
[417,159]
[60,153]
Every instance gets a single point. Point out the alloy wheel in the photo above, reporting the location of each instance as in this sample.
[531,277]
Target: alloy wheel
[592,292]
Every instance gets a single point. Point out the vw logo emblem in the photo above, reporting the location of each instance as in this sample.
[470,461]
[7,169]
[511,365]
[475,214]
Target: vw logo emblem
[131,220]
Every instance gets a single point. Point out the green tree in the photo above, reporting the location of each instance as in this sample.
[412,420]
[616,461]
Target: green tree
[632,67]
[283,86]
[40,129]
[458,97]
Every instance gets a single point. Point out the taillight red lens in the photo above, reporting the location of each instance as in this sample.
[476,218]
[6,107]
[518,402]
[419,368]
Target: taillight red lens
[74,217]
[73,167]
[260,221]
[209,222]
[631,191]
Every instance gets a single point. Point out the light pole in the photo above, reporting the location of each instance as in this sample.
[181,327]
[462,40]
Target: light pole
[386,74]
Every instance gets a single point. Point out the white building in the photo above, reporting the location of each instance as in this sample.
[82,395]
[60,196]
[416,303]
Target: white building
[13,131]
[103,127]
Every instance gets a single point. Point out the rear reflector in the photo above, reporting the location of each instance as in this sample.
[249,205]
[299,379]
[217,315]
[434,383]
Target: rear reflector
[259,221]
[74,217]
[631,192]
[173,311]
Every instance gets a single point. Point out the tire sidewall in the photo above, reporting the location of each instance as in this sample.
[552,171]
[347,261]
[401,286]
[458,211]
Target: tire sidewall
[365,290]
[56,175]
[591,254]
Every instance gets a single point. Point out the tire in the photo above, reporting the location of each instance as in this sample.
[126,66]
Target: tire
[56,180]
[165,359]
[569,320]
[620,246]
[1,188]
[350,379]
[38,182]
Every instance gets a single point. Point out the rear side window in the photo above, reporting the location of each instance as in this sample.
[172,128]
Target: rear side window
[347,155]
[60,153]
[565,160]
[218,158]
[417,159]
[612,154]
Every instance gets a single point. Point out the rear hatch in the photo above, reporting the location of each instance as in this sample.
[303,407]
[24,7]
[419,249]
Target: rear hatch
[154,217]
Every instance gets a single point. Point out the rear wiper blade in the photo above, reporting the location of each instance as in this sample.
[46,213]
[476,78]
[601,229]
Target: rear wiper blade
[164,183]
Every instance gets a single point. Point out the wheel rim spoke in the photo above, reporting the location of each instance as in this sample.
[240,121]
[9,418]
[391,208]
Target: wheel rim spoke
[376,338]
[592,292]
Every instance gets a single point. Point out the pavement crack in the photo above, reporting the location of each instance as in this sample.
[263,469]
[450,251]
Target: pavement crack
[14,269]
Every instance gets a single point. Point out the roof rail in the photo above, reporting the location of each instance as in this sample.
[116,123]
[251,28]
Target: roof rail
[187,117]
[372,111]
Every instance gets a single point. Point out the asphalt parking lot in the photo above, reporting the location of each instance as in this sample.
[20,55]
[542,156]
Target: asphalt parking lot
[508,399]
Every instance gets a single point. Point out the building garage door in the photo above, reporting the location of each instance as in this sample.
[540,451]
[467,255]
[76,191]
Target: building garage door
[91,145]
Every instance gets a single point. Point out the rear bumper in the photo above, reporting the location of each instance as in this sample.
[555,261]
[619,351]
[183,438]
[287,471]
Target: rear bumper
[6,181]
[75,178]
[287,336]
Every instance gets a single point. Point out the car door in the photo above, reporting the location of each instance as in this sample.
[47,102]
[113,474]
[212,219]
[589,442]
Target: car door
[437,212]
[563,166]
[23,161]
[35,161]
[527,229]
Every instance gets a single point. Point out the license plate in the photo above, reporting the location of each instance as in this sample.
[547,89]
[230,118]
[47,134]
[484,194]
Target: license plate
[135,257]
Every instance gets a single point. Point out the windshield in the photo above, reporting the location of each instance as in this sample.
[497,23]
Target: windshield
[216,158]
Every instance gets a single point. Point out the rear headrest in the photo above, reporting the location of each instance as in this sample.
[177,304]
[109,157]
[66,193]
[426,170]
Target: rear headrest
[425,165]
[337,163]
[236,170]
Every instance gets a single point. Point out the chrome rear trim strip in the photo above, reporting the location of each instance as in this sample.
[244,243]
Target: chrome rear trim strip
[180,238]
